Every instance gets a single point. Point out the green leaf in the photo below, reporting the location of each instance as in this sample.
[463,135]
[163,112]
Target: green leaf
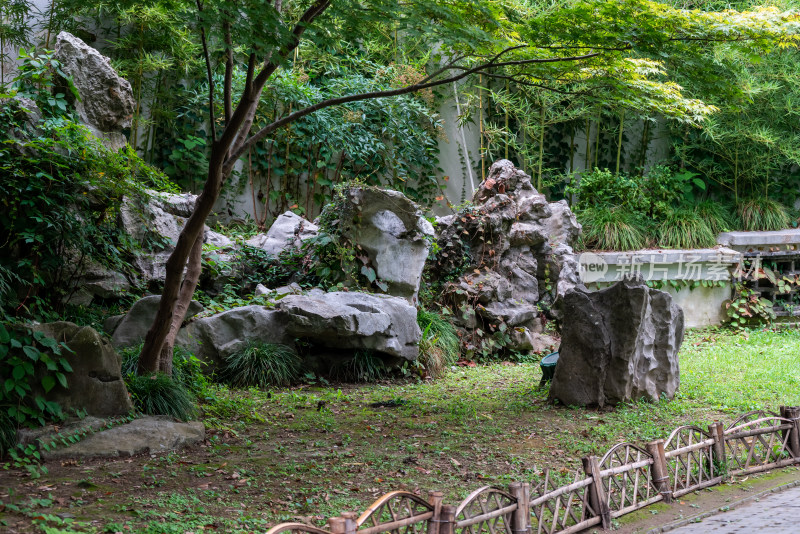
[18,373]
[62,379]
[31,352]
[48,383]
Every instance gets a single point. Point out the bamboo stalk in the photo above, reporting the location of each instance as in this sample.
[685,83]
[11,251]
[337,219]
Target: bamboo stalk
[619,139]
[625,468]
[597,141]
[561,491]
[481,130]
[541,148]
[597,496]
[660,472]
[690,448]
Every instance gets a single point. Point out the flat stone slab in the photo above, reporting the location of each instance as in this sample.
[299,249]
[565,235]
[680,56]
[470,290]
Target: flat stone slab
[747,240]
[664,256]
[146,435]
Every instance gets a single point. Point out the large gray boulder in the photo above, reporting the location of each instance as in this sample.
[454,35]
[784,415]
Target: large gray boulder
[288,231]
[95,384]
[617,344]
[216,337]
[133,327]
[106,105]
[155,222]
[350,320]
[390,228]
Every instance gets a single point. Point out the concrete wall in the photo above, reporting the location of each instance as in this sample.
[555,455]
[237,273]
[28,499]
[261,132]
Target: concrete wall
[702,306]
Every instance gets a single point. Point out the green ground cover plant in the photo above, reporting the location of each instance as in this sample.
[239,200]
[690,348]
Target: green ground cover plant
[309,452]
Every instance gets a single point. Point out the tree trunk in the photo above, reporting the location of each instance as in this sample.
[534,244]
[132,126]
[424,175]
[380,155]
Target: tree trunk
[154,340]
[193,271]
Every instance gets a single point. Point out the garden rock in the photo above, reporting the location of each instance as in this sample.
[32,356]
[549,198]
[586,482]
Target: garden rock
[95,384]
[514,250]
[391,230]
[156,224]
[106,103]
[146,435]
[288,231]
[132,329]
[618,344]
[350,320]
[97,281]
[214,338]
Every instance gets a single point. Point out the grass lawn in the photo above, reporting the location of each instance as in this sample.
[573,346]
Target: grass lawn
[311,452]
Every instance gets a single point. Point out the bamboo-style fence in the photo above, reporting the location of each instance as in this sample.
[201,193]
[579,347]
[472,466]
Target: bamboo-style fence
[625,479]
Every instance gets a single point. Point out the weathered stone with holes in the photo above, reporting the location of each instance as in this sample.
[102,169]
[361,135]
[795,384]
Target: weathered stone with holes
[351,320]
[617,344]
[106,102]
[133,327]
[518,250]
[95,384]
[390,228]
[288,231]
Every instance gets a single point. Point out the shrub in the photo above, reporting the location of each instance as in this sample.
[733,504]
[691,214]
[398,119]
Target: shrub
[30,364]
[613,229]
[602,188]
[62,190]
[262,365]
[762,214]
[685,228]
[439,345]
[159,394]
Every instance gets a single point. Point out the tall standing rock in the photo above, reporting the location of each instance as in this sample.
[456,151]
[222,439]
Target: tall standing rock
[106,103]
[618,344]
[95,384]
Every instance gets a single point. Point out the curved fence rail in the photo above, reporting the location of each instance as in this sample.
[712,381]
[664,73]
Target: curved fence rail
[626,478]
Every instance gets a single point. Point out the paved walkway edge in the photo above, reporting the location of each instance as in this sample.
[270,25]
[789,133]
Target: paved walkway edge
[699,517]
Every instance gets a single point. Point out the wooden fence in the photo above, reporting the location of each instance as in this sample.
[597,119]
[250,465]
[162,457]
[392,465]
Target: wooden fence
[625,479]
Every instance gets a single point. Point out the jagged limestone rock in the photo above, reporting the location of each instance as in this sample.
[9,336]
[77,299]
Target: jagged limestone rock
[618,344]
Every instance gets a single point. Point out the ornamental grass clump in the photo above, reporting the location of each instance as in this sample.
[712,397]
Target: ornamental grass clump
[613,229]
[439,345]
[685,228]
[158,394]
[262,365]
[762,214]
[363,366]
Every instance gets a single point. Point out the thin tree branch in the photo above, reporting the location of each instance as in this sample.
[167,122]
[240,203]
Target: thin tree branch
[482,68]
[248,102]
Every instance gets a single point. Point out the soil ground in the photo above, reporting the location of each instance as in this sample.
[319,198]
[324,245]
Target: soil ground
[311,452]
